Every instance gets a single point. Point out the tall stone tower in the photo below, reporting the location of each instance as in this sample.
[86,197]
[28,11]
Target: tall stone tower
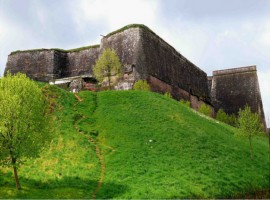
[232,89]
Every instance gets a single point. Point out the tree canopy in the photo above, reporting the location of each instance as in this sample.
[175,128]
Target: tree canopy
[107,65]
[249,125]
[24,121]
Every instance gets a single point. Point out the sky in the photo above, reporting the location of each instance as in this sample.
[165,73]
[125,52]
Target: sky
[213,34]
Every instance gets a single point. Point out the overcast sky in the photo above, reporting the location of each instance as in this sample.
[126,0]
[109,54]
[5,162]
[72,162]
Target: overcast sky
[213,34]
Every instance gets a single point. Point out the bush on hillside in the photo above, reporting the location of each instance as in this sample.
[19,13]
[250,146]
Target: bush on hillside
[232,120]
[168,94]
[185,103]
[224,117]
[141,85]
[205,109]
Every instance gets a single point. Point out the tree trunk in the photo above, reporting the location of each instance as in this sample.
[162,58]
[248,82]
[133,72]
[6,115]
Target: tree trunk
[251,150]
[18,186]
[13,161]
[109,78]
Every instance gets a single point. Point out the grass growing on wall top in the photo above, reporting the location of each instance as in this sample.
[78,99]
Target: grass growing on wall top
[129,27]
[56,49]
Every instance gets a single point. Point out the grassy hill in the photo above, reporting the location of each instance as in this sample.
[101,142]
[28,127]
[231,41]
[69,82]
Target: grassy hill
[131,144]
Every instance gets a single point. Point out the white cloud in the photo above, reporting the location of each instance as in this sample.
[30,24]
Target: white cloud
[264,79]
[117,13]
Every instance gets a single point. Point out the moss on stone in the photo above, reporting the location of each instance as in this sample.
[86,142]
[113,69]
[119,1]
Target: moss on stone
[56,49]
[129,27]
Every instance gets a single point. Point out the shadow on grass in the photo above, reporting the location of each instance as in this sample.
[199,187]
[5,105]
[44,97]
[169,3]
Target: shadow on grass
[62,187]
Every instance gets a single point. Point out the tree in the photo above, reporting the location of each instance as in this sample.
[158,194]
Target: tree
[249,125]
[107,65]
[24,121]
[141,85]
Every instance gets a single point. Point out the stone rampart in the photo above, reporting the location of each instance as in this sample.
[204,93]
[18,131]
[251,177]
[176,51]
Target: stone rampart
[232,89]
[38,65]
[48,64]
[145,55]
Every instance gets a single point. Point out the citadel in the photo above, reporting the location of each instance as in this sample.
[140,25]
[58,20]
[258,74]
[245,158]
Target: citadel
[144,55]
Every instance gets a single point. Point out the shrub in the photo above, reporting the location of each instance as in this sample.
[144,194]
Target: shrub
[167,94]
[222,116]
[228,119]
[141,85]
[185,103]
[205,109]
[232,120]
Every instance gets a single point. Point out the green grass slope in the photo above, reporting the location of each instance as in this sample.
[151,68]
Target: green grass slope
[68,168]
[165,150]
[132,144]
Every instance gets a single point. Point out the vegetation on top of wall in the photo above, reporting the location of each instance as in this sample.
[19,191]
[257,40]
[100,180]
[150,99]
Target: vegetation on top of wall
[131,26]
[56,49]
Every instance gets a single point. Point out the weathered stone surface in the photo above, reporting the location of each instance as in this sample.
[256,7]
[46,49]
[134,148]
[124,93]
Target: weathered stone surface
[163,62]
[38,65]
[81,62]
[145,55]
[152,56]
[47,64]
[232,89]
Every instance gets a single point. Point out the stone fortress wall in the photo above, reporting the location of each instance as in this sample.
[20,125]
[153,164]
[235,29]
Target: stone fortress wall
[144,55]
[232,89]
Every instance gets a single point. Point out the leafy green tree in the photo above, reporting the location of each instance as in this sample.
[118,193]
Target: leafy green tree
[107,65]
[24,121]
[141,85]
[249,125]
[205,109]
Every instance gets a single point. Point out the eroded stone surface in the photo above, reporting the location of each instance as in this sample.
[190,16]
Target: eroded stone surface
[144,55]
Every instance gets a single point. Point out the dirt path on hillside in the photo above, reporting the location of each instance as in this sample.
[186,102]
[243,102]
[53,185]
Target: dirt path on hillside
[97,149]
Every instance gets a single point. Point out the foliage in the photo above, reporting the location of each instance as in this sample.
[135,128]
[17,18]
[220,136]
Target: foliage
[24,121]
[56,49]
[141,85]
[232,120]
[222,116]
[144,137]
[249,125]
[107,65]
[168,94]
[205,109]
[228,119]
[131,26]
[185,103]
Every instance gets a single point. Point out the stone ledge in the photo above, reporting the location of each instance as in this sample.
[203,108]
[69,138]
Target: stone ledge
[235,70]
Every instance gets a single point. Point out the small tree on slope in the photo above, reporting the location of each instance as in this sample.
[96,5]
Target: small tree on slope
[249,125]
[107,65]
[23,121]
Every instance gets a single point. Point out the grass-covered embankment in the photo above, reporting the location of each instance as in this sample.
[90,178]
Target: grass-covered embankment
[68,168]
[151,147]
[165,150]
